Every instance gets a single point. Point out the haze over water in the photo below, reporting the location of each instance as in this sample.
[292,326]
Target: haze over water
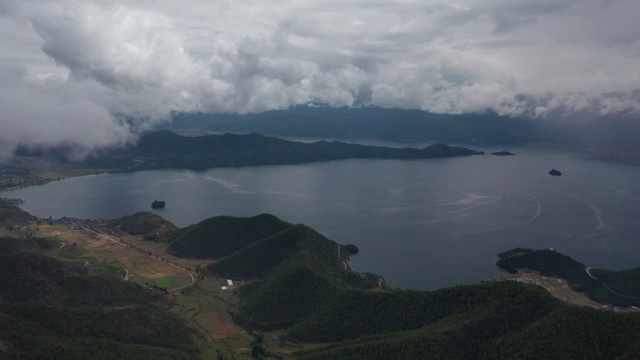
[422,224]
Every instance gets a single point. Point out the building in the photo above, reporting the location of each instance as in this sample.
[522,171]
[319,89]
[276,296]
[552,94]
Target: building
[226,285]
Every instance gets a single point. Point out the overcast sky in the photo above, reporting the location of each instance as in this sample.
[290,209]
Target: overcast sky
[71,71]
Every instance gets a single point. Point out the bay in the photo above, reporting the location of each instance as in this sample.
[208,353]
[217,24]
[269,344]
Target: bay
[422,224]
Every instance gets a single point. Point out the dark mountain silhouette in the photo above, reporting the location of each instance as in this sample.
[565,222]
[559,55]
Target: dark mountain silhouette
[165,149]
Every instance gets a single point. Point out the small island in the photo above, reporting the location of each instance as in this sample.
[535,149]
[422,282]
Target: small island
[555,172]
[156,204]
[503,153]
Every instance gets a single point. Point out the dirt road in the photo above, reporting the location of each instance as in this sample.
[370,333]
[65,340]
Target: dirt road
[588,270]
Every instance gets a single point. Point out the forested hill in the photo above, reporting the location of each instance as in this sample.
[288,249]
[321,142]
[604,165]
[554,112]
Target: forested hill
[165,149]
[151,226]
[223,235]
[299,283]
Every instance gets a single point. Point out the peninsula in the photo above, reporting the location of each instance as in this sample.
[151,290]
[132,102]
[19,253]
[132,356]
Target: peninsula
[165,149]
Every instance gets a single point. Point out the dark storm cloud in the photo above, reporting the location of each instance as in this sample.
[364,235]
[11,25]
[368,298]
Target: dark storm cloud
[78,69]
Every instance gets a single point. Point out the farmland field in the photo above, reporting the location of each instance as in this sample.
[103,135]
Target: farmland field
[142,262]
[205,308]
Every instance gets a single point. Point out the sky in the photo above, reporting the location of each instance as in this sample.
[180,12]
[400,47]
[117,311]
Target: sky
[90,74]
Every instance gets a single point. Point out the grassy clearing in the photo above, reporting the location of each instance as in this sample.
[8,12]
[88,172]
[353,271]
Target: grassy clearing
[164,282]
[205,307]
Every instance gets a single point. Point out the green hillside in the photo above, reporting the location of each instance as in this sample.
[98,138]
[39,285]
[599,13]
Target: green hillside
[571,332]
[298,269]
[449,323]
[368,313]
[10,213]
[151,226]
[290,245]
[626,282]
[223,235]
[491,331]
[54,309]
[12,246]
[299,284]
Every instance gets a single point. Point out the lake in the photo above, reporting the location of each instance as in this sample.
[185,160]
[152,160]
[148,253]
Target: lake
[422,224]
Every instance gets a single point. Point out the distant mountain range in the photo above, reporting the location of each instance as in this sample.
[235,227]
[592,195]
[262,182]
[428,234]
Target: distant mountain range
[366,123]
[165,149]
[615,131]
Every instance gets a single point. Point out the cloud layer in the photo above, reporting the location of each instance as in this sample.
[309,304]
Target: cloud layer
[89,74]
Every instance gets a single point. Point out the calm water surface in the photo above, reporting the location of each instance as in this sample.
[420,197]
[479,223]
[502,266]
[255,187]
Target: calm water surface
[422,224]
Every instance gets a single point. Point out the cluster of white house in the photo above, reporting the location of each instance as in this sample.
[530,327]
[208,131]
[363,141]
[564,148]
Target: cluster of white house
[229,285]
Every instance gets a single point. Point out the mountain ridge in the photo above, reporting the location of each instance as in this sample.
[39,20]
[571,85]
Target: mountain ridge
[165,149]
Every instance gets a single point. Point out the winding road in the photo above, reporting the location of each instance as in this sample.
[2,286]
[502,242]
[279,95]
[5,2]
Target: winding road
[346,266]
[193,280]
[588,270]
[62,244]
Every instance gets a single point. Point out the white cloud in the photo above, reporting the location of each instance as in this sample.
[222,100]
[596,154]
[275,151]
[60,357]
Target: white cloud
[76,69]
